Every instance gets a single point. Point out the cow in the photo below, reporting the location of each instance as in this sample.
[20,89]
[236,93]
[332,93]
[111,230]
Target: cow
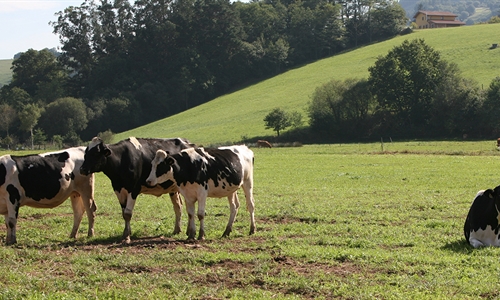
[482,225]
[127,164]
[45,181]
[263,143]
[207,172]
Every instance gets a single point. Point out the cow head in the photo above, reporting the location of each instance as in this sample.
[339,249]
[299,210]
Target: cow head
[95,157]
[161,169]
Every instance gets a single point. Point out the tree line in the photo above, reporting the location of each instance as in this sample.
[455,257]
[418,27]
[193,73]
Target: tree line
[123,65]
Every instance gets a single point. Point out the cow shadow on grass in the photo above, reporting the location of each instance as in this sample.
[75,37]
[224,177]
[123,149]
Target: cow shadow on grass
[114,242]
[459,246]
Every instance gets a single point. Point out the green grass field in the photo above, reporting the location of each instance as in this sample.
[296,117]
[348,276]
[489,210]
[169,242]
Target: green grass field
[342,221]
[239,115]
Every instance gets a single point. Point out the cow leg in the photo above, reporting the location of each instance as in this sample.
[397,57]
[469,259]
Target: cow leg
[191,229]
[127,216]
[248,188]
[177,203]
[87,196]
[10,224]
[234,204]
[201,217]
[78,209]
[127,204]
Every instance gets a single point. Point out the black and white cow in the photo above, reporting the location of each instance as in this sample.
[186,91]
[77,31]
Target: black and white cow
[45,181]
[207,172]
[482,225]
[127,164]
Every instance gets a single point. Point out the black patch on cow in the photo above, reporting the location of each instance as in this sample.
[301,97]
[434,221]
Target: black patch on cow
[167,184]
[39,176]
[14,195]
[225,165]
[3,174]
[483,212]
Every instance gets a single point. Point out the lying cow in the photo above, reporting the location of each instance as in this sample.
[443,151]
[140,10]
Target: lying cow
[127,164]
[482,225]
[45,181]
[200,173]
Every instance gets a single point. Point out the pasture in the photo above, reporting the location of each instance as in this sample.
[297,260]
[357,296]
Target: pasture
[340,221]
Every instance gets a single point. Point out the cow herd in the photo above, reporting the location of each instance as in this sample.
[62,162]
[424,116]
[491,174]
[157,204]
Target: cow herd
[161,166]
[134,166]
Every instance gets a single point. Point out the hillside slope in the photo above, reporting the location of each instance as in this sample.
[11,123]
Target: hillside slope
[231,117]
[5,72]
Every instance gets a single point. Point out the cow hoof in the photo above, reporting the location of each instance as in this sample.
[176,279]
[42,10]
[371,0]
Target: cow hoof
[126,241]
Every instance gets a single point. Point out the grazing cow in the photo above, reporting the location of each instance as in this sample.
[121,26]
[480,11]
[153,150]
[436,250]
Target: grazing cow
[263,143]
[127,164]
[207,172]
[482,225]
[498,143]
[45,181]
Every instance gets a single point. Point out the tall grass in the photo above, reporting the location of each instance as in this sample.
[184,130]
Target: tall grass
[239,115]
[341,221]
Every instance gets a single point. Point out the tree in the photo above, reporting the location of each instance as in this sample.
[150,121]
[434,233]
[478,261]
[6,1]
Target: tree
[39,74]
[405,81]
[7,116]
[29,115]
[39,137]
[277,120]
[340,108]
[65,116]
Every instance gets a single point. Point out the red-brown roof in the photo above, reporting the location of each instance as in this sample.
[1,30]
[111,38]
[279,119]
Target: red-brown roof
[435,13]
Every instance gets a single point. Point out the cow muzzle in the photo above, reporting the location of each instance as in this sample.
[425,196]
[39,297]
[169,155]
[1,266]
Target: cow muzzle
[84,171]
[151,182]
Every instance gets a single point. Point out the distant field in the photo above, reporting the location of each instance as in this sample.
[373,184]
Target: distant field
[339,221]
[239,115]
[5,72]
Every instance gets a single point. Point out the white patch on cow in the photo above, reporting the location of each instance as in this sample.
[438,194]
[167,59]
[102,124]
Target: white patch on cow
[95,141]
[136,143]
[485,237]
[194,156]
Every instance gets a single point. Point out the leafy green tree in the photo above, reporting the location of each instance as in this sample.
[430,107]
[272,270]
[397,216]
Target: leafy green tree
[64,116]
[29,115]
[277,120]
[15,97]
[39,74]
[388,18]
[7,116]
[39,138]
[340,108]
[405,81]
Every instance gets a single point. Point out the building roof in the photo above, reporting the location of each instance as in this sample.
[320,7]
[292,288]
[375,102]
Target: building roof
[435,13]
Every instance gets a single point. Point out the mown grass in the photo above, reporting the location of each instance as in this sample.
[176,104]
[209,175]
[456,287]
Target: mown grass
[239,115]
[341,221]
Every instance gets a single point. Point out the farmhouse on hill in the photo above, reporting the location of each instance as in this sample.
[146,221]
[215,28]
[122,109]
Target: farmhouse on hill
[436,19]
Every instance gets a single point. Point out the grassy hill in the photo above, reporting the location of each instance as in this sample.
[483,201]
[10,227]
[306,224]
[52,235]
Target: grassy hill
[5,72]
[240,114]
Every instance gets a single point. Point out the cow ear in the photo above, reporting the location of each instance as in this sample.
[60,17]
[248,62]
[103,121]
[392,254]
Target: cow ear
[106,151]
[496,191]
[170,160]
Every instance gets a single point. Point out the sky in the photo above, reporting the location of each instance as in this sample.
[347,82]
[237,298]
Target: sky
[24,24]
